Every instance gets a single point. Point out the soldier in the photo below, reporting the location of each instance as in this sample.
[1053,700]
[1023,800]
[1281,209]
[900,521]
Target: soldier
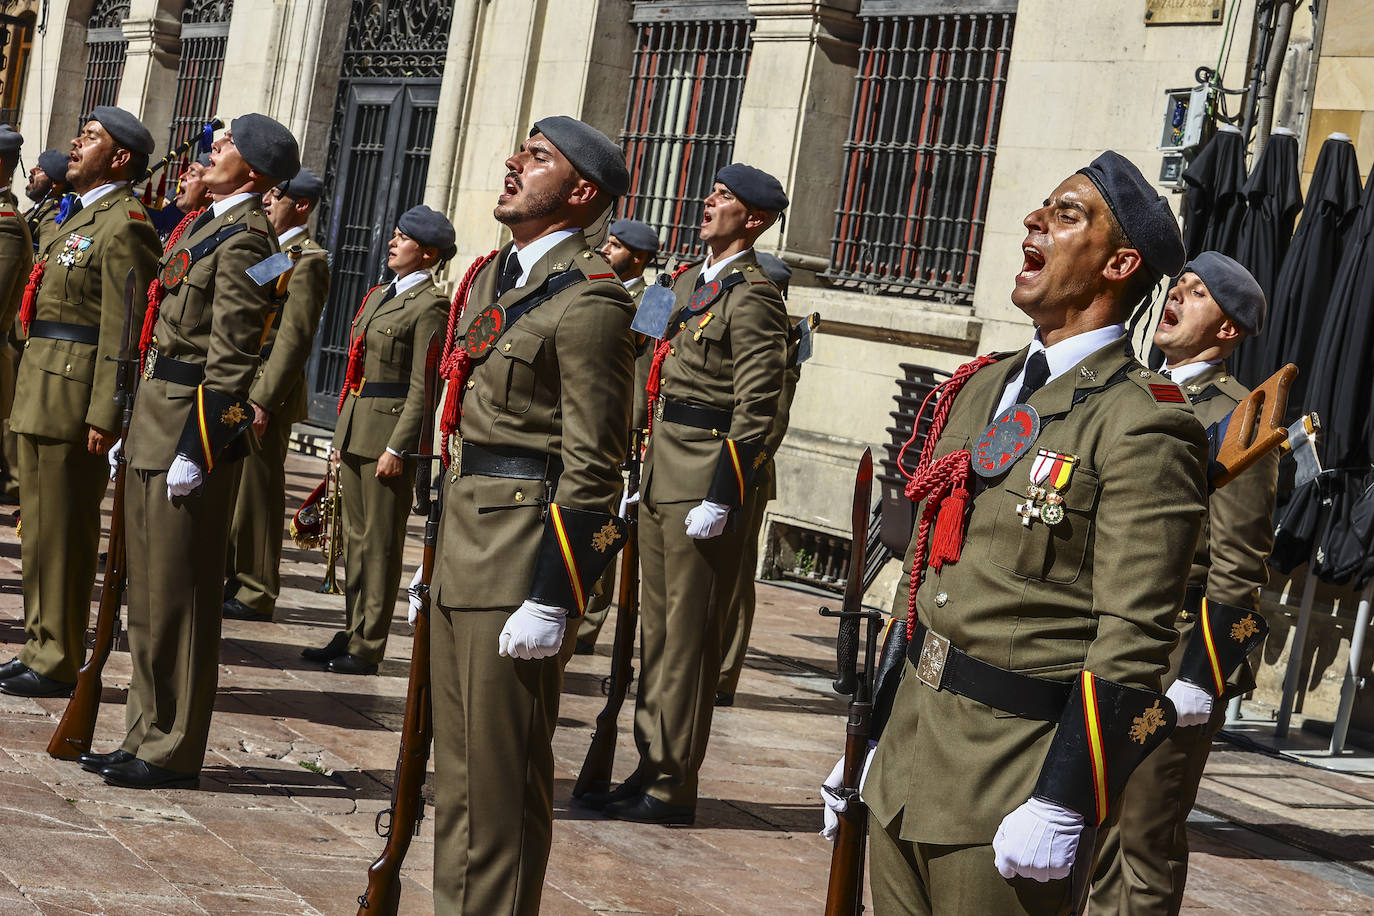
[714,385]
[279,400]
[380,413]
[1082,503]
[47,186]
[191,192]
[16,259]
[630,246]
[539,369]
[1143,865]
[738,618]
[188,429]
[65,414]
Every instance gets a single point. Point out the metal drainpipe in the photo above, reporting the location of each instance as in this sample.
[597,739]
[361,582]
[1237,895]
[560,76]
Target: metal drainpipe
[1273,69]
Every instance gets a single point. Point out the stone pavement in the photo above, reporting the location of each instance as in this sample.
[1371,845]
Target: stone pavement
[301,761]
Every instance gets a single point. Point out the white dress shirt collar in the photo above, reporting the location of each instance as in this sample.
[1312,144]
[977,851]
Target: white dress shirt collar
[1187,371]
[220,207]
[710,271]
[290,234]
[414,278]
[531,253]
[1061,357]
[95,194]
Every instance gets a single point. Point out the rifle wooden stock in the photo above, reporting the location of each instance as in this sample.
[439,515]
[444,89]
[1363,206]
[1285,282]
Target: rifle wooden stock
[844,896]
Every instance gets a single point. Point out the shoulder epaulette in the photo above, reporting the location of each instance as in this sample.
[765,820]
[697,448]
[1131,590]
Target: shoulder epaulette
[138,215]
[1162,391]
[594,267]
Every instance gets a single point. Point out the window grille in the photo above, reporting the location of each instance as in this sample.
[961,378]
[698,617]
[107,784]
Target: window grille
[105,46]
[918,161]
[680,120]
[204,36]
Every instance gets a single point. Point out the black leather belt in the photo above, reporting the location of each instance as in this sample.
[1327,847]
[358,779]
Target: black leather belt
[177,371]
[519,463]
[61,330]
[264,353]
[383,390]
[943,667]
[694,415]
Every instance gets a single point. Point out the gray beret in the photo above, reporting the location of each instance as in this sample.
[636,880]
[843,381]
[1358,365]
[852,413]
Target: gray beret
[1232,288]
[591,152]
[203,160]
[126,130]
[754,186]
[776,269]
[54,164]
[306,185]
[266,145]
[1144,215]
[430,228]
[634,235]
[10,140]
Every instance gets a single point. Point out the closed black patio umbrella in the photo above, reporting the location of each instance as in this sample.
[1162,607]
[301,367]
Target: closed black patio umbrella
[1214,201]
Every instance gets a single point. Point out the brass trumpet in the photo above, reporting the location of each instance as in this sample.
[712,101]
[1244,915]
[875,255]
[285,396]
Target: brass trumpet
[316,524]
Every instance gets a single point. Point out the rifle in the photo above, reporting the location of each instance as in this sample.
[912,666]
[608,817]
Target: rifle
[597,765]
[844,896]
[398,823]
[72,738]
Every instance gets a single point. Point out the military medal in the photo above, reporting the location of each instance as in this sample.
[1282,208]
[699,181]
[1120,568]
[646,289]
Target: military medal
[1050,474]
[175,270]
[484,330]
[1005,439]
[73,247]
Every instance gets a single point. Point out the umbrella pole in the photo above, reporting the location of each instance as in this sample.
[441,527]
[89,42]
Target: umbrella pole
[1352,680]
[1295,653]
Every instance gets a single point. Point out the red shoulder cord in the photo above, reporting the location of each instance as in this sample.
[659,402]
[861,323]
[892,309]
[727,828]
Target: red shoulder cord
[357,349]
[156,290]
[456,364]
[936,480]
[661,349]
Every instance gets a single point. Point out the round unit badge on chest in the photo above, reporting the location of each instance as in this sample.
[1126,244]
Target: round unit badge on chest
[484,330]
[704,296]
[1005,440]
[175,270]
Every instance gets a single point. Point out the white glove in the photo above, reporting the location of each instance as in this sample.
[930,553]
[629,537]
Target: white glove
[414,599]
[1039,840]
[1194,704]
[534,631]
[183,477]
[113,455]
[707,520]
[628,499]
[836,805]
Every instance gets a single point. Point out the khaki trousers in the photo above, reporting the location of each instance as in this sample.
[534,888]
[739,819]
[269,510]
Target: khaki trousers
[374,515]
[60,507]
[255,534]
[176,567]
[739,610]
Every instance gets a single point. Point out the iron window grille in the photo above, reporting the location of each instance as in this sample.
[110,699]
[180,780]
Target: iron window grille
[680,120]
[918,161]
[204,36]
[105,49]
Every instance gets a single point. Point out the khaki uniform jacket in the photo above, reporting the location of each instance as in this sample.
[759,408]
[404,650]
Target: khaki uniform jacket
[398,332]
[214,318]
[557,381]
[736,364]
[16,258]
[1100,590]
[644,359]
[65,387]
[45,223]
[279,387]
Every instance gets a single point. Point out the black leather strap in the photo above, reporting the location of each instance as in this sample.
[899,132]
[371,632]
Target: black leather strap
[384,389]
[696,415]
[61,330]
[1019,694]
[264,353]
[518,463]
[177,371]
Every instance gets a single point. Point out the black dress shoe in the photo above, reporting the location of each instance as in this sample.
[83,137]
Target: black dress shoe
[30,683]
[12,667]
[140,774]
[598,800]
[584,648]
[725,699]
[337,646]
[645,809]
[351,664]
[94,763]
[234,609]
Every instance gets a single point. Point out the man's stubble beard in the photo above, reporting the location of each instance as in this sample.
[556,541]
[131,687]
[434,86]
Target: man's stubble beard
[540,207]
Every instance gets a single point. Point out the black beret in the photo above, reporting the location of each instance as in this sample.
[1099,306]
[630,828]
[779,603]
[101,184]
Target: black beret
[634,235]
[1233,288]
[591,152]
[1144,215]
[776,269]
[306,185]
[10,140]
[54,164]
[126,130]
[266,145]
[203,160]
[754,186]
[430,228]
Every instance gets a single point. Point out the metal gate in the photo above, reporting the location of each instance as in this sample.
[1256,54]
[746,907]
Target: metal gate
[105,49]
[378,161]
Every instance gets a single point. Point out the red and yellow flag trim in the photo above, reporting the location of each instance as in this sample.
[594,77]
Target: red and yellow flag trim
[204,432]
[569,560]
[1205,622]
[1095,750]
[739,470]
[1061,471]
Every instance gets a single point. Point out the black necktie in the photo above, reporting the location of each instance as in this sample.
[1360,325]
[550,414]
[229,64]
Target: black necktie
[389,294]
[510,275]
[202,220]
[701,281]
[1167,373]
[1037,373]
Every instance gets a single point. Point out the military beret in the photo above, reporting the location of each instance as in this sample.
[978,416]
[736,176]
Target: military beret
[634,235]
[266,145]
[776,269]
[1232,288]
[430,228]
[10,140]
[203,160]
[306,185]
[54,164]
[1143,214]
[592,153]
[126,130]
[754,186]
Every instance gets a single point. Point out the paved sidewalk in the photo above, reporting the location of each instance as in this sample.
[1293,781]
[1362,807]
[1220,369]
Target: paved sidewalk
[301,761]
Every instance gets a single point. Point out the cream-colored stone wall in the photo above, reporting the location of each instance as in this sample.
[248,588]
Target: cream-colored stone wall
[1344,97]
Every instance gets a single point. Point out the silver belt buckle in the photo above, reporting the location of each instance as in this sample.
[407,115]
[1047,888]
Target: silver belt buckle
[149,362]
[934,652]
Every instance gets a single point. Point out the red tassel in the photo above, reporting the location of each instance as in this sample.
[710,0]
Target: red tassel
[156,290]
[948,539]
[456,364]
[29,306]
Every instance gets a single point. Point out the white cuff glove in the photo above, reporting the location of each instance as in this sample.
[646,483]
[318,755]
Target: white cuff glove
[1194,704]
[707,520]
[1039,840]
[413,613]
[183,477]
[835,805]
[628,499]
[113,455]
[534,631]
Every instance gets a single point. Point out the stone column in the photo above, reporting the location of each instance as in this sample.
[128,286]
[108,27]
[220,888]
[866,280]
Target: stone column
[149,86]
[57,71]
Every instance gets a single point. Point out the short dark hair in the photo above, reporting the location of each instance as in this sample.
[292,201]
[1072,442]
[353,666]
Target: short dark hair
[1139,284]
[137,168]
